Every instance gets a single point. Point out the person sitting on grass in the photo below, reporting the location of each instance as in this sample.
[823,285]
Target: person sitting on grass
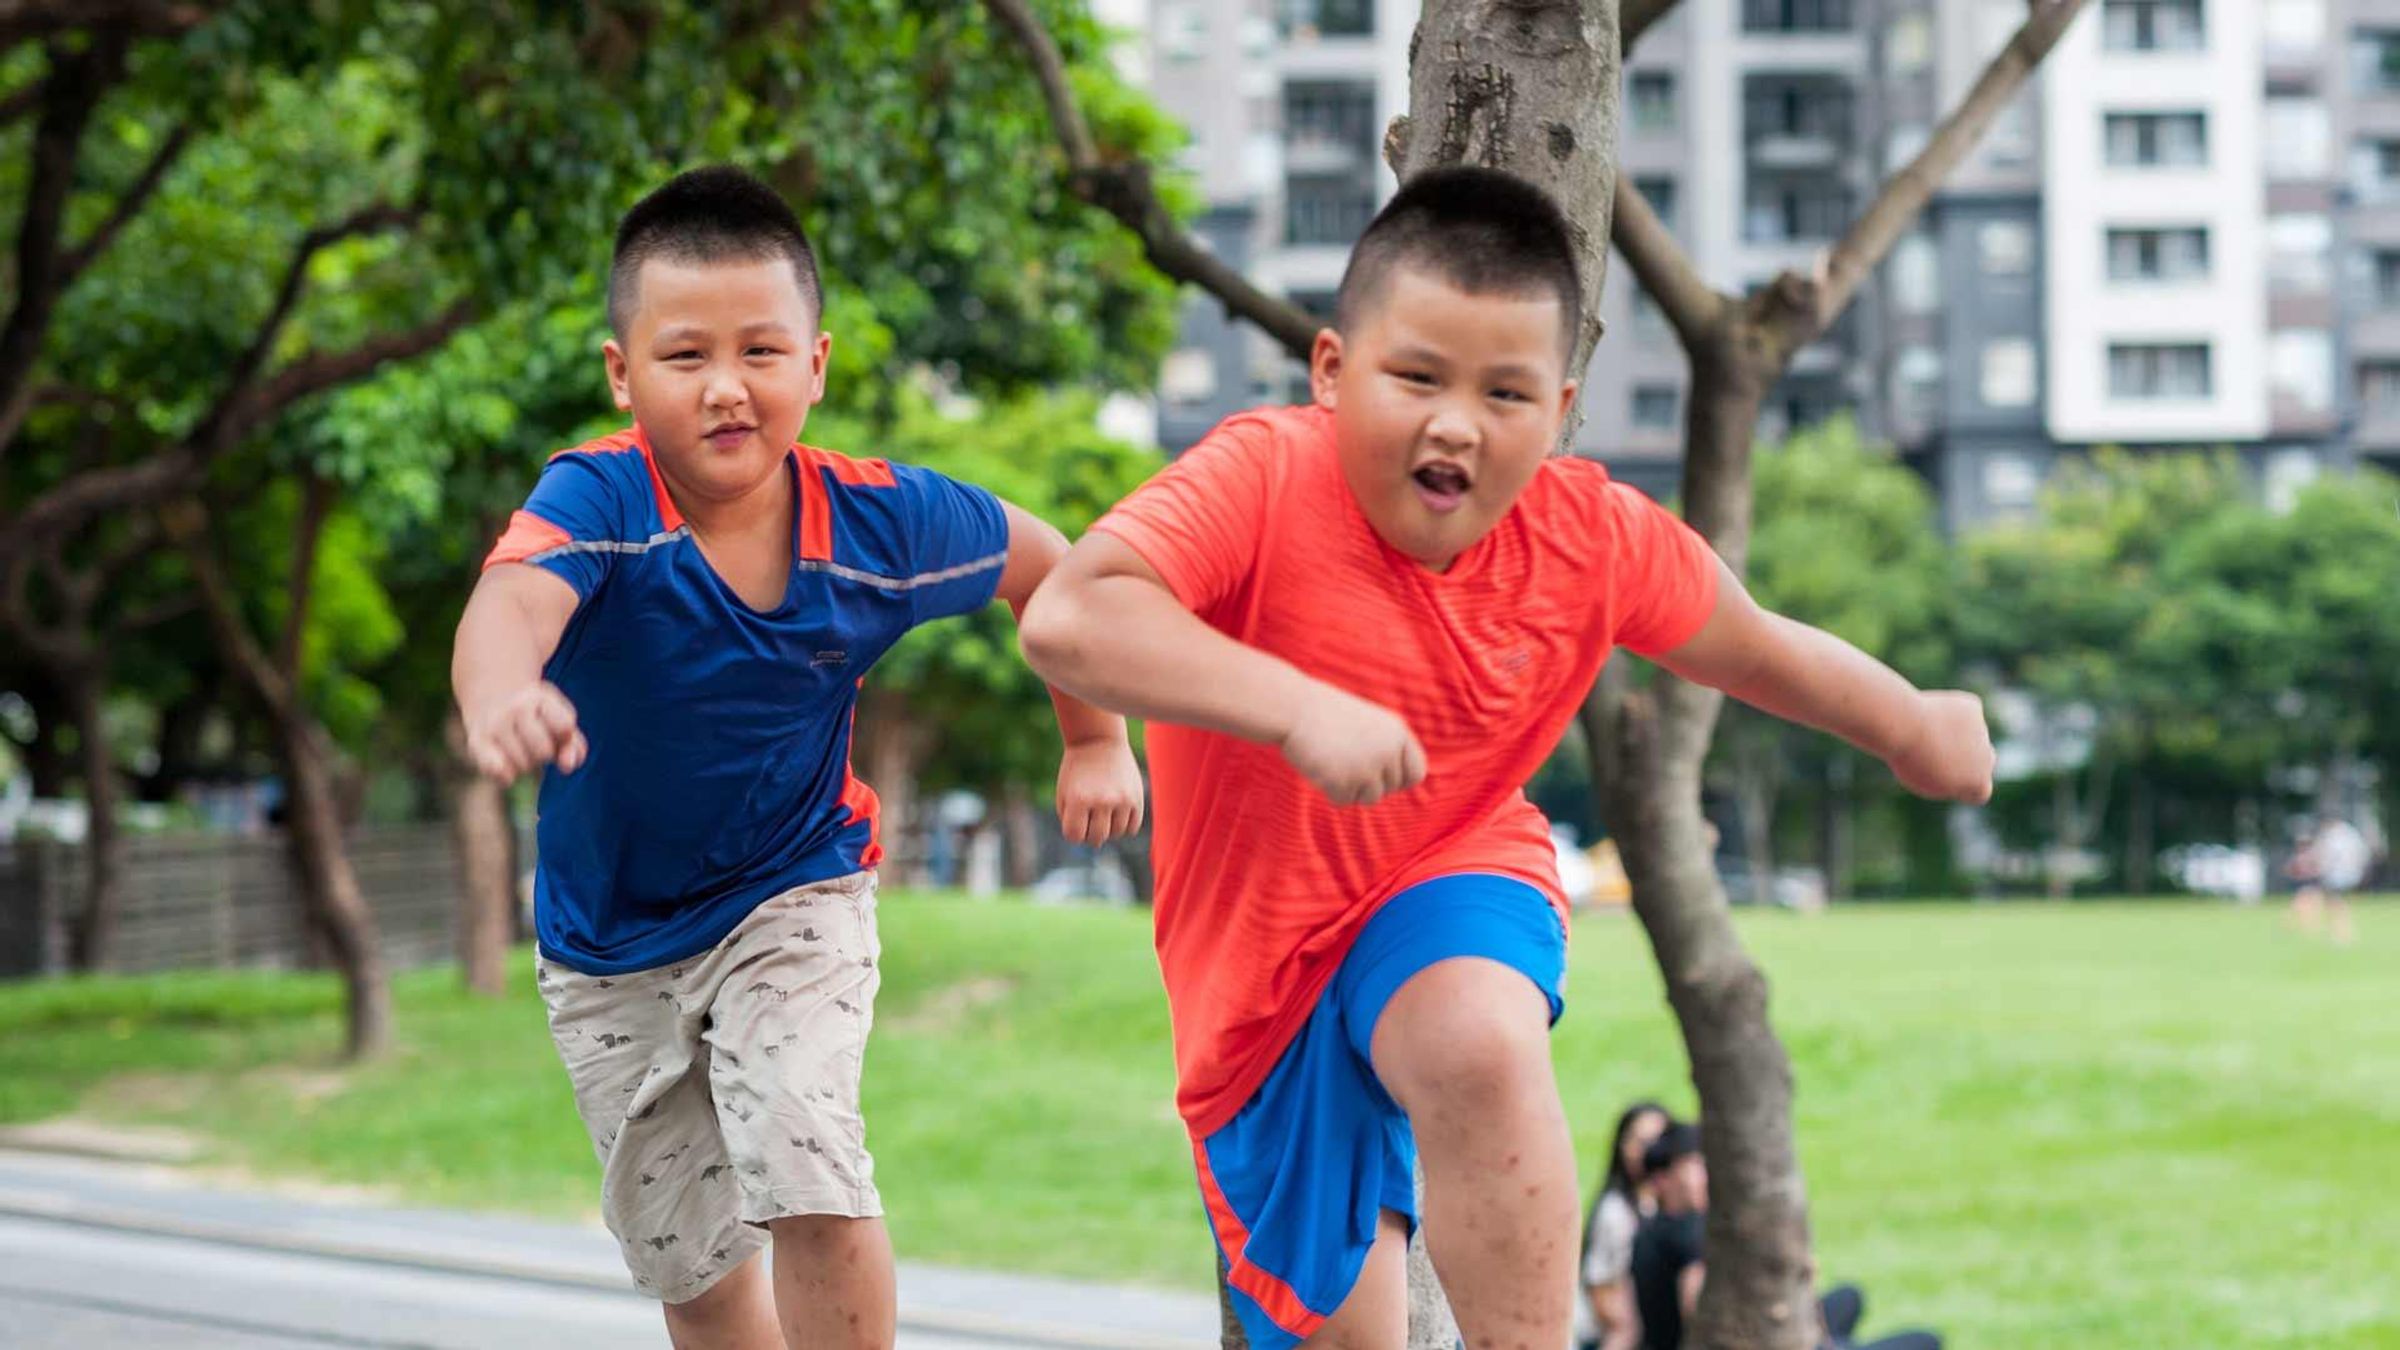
[1604,1317]
[1668,1268]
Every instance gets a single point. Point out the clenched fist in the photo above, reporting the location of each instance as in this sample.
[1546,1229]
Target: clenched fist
[528,729]
[1355,752]
[1949,757]
[1099,791]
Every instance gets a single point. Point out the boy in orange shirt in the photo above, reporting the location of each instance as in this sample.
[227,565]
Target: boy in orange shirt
[1358,627]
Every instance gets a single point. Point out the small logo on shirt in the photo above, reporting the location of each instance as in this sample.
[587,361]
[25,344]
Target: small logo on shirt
[823,659]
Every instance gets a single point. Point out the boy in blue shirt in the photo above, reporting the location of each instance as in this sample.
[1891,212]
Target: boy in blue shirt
[676,626]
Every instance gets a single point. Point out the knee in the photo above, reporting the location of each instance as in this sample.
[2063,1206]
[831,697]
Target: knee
[1467,1057]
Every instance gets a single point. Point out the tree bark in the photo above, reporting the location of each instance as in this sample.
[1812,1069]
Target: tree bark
[338,906]
[486,839]
[103,843]
[329,889]
[1020,837]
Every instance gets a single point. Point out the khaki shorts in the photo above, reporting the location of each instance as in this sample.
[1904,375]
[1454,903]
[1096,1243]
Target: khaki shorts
[722,1092]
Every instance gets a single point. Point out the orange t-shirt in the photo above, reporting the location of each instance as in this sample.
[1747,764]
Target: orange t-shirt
[1263,883]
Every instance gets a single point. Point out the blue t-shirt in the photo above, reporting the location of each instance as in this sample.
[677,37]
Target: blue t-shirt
[719,772]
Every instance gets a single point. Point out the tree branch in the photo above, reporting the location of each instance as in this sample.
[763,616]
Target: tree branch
[1125,191]
[225,421]
[186,522]
[129,205]
[1664,270]
[69,95]
[178,469]
[1635,18]
[22,19]
[316,503]
[1805,309]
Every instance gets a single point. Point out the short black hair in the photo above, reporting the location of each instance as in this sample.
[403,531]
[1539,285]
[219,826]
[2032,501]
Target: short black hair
[1482,230]
[1677,1142]
[713,214]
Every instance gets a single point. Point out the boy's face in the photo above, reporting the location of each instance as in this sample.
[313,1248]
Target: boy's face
[720,364]
[1445,403]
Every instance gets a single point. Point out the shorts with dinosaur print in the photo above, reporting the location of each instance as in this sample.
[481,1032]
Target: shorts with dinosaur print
[721,1092]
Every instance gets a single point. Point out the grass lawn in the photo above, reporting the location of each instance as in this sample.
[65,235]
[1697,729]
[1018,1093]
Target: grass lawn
[2105,1125]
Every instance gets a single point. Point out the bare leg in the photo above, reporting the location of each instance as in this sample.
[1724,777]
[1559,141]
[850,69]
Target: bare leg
[1464,1047]
[1375,1316]
[833,1283]
[737,1313]
[2337,913]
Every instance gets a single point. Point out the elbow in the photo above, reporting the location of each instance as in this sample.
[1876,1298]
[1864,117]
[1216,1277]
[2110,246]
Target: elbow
[1051,632]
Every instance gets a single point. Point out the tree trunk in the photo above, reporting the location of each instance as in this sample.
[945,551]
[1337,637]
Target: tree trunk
[1020,838]
[1647,753]
[1837,817]
[104,843]
[887,745]
[48,767]
[486,839]
[2141,834]
[336,904]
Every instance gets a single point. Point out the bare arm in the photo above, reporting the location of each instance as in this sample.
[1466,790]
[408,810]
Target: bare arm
[1936,743]
[515,720]
[1687,1287]
[1106,628]
[1099,785]
[1620,1324]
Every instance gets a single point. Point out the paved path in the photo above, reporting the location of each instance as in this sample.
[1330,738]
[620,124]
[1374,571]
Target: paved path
[97,1256]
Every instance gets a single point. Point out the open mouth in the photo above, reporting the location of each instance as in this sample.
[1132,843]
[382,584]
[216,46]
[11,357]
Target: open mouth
[1442,486]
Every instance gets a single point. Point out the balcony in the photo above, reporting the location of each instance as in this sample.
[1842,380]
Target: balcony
[1797,122]
[1810,17]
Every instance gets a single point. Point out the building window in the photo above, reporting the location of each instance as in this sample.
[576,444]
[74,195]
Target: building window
[2146,370]
[1908,43]
[2379,387]
[2300,251]
[2299,133]
[2294,28]
[2158,254]
[1183,30]
[1326,211]
[2375,170]
[1652,96]
[2375,59]
[1188,375]
[1795,210]
[1328,18]
[2153,26]
[1796,108]
[2286,475]
[1330,117]
[2011,481]
[2176,140]
[1660,193]
[2008,373]
[1655,407]
[1918,375]
[2006,247]
[2300,369]
[1916,271]
[1796,16]
[2386,265]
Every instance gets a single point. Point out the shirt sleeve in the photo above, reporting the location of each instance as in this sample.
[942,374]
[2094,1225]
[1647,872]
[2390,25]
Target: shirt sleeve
[1665,574]
[1609,1257]
[958,542]
[568,527]
[1199,521]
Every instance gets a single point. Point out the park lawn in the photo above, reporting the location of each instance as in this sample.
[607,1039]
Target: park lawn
[2097,1125]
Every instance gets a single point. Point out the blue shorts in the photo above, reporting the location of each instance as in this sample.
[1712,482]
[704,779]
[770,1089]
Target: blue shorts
[1295,1183]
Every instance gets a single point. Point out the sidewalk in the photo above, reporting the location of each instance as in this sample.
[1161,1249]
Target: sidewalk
[91,1196]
